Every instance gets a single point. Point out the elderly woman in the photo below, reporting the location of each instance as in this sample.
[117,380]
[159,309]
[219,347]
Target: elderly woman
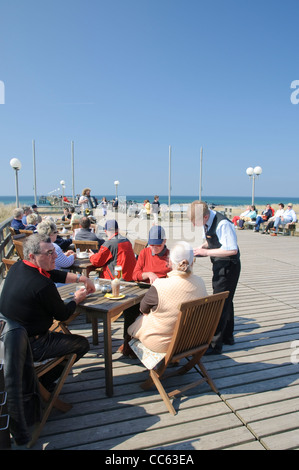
[161,304]
[63,260]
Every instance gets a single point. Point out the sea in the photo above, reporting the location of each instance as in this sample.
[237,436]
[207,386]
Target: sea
[227,201]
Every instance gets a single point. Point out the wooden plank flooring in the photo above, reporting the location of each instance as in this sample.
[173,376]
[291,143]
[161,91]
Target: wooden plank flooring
[258,405]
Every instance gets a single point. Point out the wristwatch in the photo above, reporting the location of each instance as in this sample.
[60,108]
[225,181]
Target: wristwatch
[78,277]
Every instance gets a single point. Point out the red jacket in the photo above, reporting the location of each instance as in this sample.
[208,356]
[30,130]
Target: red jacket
[146,262]
[115,251]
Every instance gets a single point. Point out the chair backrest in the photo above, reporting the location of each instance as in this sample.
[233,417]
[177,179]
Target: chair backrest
[75,225]
[138,246]
[86,245]
[195,326]
[19,247]
[8,263]
[12,231]
[26,232]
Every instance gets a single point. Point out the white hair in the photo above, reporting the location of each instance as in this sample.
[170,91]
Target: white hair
[181,256]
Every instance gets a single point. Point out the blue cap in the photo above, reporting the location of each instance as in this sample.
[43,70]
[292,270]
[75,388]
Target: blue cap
[156,235]
[111,225]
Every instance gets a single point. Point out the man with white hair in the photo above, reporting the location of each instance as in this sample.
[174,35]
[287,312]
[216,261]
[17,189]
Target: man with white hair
[30,298]
[16,222]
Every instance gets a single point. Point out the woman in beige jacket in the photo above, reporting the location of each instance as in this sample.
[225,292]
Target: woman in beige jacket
[161,304]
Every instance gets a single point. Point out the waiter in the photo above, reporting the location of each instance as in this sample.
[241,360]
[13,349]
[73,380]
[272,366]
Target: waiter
[222,247]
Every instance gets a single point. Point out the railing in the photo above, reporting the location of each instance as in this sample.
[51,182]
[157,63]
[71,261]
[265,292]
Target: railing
[6,245]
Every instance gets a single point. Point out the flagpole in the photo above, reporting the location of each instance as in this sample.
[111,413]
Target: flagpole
[34,172]
[73,171]
[200,175]
[169,182]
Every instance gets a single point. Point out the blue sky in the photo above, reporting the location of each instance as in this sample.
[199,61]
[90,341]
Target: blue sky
[124,79]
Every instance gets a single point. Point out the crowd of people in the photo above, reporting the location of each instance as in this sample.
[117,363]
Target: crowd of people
[269,219]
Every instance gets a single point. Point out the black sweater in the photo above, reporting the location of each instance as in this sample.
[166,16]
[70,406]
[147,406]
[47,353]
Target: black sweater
[32,299]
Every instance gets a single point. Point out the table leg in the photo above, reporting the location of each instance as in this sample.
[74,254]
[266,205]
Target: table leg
[108,356]
[95,331]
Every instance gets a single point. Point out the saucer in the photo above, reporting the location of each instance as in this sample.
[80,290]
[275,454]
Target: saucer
[110,296]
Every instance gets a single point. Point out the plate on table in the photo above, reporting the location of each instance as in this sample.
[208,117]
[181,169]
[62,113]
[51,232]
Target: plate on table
[82,255]
[110,296]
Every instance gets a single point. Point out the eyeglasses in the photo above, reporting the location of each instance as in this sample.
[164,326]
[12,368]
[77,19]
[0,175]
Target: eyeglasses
[47,253]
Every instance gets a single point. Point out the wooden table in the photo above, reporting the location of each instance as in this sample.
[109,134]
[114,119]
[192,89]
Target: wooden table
[83,266]
[97,306]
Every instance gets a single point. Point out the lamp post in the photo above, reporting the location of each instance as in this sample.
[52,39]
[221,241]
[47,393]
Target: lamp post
[16,165]
[62,182]
[116,185]
[253,173]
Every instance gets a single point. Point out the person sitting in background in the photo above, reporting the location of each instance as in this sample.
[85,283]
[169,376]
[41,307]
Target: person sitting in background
[115,251]
[63,260]
[238,217]
[270,223]
[75,217]
[251,216]
[16,222]
[85,232]
[161,304]
[152,263]
[32,221]
[287,217]
[35,211]
[265,215]
[64,243]
[26,211]
[66,215]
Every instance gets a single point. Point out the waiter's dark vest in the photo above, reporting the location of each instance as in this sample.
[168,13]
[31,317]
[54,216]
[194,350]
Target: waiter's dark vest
[213,240]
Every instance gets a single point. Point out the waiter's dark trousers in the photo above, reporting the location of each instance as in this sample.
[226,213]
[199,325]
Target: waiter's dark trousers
[225,278]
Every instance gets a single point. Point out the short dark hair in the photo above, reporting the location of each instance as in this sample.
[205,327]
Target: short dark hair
[85,222]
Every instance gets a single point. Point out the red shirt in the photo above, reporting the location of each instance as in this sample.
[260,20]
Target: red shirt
[147,262]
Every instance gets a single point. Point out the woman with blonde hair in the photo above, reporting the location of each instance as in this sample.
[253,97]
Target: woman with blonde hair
[161,304]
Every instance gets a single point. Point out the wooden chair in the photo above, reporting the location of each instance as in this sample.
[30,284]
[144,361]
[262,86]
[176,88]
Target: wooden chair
[12,231]
[75,225]
[16,344]
[51,399]
[26,232]
[194,330]
[8,263]
[84,245]
[18,244]
[138,246]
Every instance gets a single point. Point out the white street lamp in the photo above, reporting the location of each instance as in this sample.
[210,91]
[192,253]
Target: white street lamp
[253,173]
[16,165]
[116,185]
[62,182]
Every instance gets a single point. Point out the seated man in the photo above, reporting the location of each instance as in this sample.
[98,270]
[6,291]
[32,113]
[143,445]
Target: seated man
[266,214]
[270,222]
[85,232]
[115,251]
[30,297]
[152,264]
[16,222]
[287,217]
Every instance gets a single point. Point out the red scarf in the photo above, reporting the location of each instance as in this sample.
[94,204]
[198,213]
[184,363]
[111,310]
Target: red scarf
[41,270]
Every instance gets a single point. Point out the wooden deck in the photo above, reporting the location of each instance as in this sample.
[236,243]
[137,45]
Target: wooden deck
[258,405]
